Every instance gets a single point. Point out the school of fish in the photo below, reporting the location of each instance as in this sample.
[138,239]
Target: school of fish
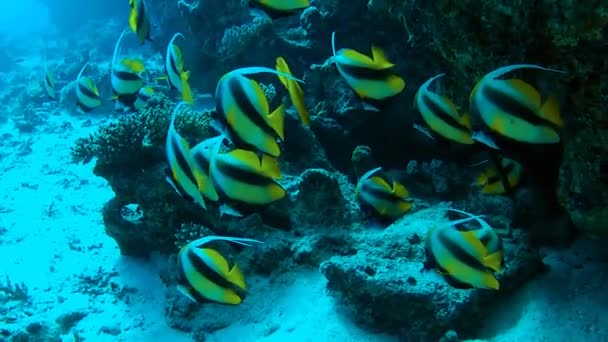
[239,168]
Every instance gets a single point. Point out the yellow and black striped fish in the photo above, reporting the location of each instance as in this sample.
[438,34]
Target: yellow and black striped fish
[491,179]
[185,175]
[462,257]
[515,110]
[174,68]
[49,81]
[296,94]
[241,176]
[139,21]
[201,155]
[441,115]
[87,94]
[243,114]
[143,95]
[279,8]
[370,78]
[389,201]
[126,80]
[490,238]
[205,275]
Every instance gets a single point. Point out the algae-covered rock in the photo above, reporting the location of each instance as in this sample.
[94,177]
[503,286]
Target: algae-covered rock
[386,285]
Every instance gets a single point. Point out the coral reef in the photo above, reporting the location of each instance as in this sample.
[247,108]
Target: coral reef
[386,287]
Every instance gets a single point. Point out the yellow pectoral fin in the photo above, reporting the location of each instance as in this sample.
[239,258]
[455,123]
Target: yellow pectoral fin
[550,111]
[276,121]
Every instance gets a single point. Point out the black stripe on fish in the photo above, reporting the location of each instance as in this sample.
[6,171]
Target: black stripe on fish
[181,159]
[84,107]
[458,252]
[362,73]
[143,96]
[201,161]
[442,115]
[141,14]
[205,270]
[173,64]
[87,92]
[186,284]
[512,106]
[126,76]
[126,99]
[48,81]
[379,193]
[244,104]
[244,176]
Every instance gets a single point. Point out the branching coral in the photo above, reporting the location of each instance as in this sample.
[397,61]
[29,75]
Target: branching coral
[10,291]
[134,141]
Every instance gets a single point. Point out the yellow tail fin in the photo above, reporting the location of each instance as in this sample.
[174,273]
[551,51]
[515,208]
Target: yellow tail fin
[270,167]
[550,111]
[400,190]
[494,261]
[236,277]
[276,121]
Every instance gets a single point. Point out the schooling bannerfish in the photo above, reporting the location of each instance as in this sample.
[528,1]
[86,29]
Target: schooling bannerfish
[139,21]
[370,78]
[205,274]
[174,68]
[296,94]
[387,200]
[87,94]
[515,110]
[441,115]
[186,176]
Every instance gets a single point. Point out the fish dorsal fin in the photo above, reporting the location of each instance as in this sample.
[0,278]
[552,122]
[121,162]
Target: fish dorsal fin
[282,66]
[380,58]
[550,111]
[381,183]
[276,121]
[509,68]
[400,190]
[369,173]
[494,261]
[207,239]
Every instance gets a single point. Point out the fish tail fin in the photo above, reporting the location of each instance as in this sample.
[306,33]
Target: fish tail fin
[186,90]
[494,261]
[276,120]
[236,277]
[550,111]
[400,190]
[270,167]
[466,120]
[282,66]
[404,206]
[489,281]
[379,57]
